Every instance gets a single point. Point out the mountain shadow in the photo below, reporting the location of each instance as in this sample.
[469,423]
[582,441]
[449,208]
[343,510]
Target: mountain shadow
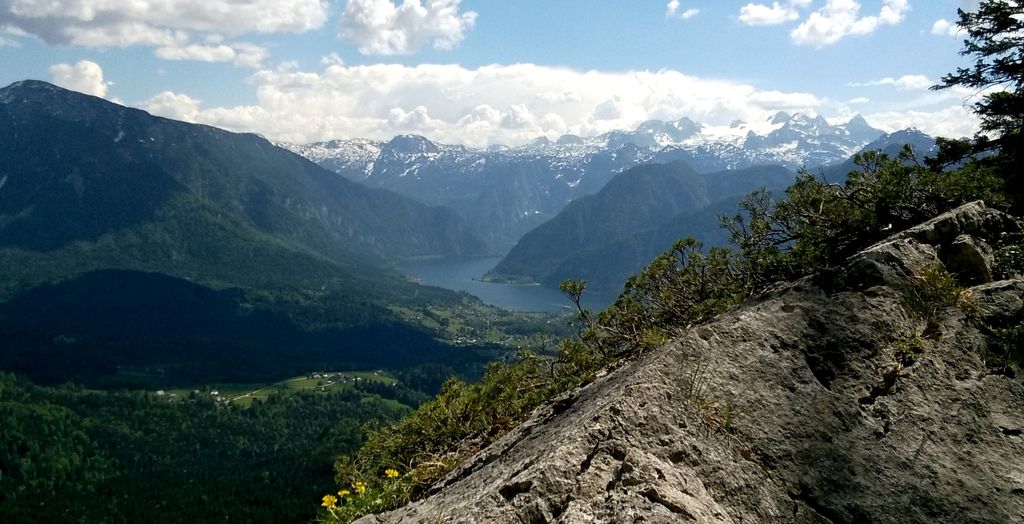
[116,328]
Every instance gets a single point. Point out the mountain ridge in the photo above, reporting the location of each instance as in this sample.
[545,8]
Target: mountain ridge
[605,237]
[506,191]
[78,169]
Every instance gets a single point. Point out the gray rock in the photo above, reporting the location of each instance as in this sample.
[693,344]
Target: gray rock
[973,219]
[1001,303]
[969,260]
[809,416]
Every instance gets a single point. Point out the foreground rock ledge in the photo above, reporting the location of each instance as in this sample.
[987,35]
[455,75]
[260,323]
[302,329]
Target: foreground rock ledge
[827,425]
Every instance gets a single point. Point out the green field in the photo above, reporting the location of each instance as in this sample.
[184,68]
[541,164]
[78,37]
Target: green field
[243,394]
[472,322]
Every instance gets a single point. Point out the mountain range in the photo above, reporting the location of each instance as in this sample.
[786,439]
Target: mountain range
[504,192]
[606,237]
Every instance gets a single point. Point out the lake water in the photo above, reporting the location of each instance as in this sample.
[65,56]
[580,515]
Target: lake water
[463,274]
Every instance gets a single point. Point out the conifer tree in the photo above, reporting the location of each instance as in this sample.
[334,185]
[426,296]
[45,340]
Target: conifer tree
[995,40]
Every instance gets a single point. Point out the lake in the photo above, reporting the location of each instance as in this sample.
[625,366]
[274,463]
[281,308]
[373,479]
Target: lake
[463,274]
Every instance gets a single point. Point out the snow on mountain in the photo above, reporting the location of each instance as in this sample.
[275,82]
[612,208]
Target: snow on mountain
[790,140]
[342,156]
[507,190]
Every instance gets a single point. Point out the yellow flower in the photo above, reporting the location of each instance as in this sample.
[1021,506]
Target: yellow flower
[359,487]
[329,501]
[344,493]
[391,473]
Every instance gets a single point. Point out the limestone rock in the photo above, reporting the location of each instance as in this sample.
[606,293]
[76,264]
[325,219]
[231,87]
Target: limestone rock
[808,416]
[973,219]
[970,260]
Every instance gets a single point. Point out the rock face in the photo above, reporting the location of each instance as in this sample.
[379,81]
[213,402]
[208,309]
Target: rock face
[827,400]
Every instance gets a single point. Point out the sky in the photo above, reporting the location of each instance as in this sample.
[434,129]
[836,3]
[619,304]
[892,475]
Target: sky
[486,72]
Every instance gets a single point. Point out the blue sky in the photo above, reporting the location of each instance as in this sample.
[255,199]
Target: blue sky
[483,72]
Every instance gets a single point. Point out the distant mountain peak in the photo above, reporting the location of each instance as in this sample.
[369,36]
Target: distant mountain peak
[539,142]
[780,118]
[36,90]
[569,140]
[411,144]
[857,120]
[31,85]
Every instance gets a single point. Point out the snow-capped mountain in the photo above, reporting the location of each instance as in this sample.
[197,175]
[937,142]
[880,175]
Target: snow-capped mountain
[341,156]
[508,190]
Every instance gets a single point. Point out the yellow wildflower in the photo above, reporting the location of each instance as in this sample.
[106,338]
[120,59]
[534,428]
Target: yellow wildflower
[330,501]
[359,487]
[344,493]
[391,473]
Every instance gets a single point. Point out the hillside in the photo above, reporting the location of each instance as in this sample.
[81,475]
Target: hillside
[89,184]
[139,252]
[115,328]
[828,399]
[606,237]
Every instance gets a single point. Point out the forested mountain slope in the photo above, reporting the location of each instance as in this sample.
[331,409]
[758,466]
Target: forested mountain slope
[88,184]
[608,236]
[140,251]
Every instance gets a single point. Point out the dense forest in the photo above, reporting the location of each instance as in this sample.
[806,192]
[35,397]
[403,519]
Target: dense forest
[69,454]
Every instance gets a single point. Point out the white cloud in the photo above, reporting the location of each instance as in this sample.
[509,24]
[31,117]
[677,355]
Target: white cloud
[119,23]
[775,14]
[249,55]
[332,59]
[496,104]
[418,120]
[170,26]
[782,101]
[173,105]
[838,19]
[675,10]
[945,28]
[952,121]
[7,42]
[84,76]
[379,27]
[202,53]
[760,14]
[860,100]
[241,53]
[905,82]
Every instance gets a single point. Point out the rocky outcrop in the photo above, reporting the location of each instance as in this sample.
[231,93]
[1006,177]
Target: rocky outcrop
[831,399]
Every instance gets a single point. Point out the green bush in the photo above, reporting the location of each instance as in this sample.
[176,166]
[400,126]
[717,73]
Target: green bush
[1009,260]
[461,420]
[819,224]
[906,351]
